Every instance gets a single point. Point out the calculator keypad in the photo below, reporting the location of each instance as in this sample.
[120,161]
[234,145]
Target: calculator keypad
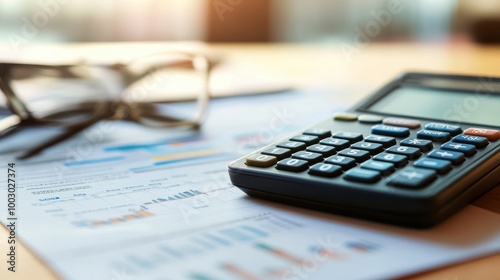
[385,153]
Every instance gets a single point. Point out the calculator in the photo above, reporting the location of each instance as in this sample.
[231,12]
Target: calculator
[412,154]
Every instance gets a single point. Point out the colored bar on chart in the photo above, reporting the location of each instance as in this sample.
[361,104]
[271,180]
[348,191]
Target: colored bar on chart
[144,213]
[279,253]
[239,272]
[255,231]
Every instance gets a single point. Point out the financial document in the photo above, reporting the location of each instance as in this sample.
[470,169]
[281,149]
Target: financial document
[125,202]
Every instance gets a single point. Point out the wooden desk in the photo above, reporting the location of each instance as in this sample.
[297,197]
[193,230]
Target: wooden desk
[373,66]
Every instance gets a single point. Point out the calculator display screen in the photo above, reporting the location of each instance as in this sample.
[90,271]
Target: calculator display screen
[454,106]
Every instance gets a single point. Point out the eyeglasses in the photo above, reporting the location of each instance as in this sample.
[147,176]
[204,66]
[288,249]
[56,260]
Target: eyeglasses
[159,90]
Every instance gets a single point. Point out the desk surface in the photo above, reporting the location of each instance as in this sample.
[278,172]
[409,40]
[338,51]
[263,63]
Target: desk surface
[372,66]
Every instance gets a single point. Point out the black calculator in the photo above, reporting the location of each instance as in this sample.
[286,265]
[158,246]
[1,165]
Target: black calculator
[413,153]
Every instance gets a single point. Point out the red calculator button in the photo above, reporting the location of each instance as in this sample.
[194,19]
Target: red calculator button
[409,123]
[490,134]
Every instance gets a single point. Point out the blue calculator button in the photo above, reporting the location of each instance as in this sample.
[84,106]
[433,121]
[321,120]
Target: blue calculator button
[345,162]
[292,164]
[441,166]
[384,140]
[413,178]
[433,135]
[423,145]
[478,141]
[467,149]
[384,167]
[388,130]
[454,157]
[362,175]
[451,129]
[325,170]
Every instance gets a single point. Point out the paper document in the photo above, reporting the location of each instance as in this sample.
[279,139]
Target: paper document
[125,202]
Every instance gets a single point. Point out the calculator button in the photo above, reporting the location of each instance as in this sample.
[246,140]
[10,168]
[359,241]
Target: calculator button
[397,160]
[308,156]
[307,139]
[384,140]
[454,157]
[370,119]
[410,152]
[412,124]
[384,167]
[433,135]
[279,153]
[321,133]
[490,134]
[292,145]
[413,178]
[388,130]
[358,155]
[259,160]
[372,148]
[478,141]
[345,117]
[324,150]
[440,166]
[325,170]
[339,144]
[352,137]
[362,175]
[345,162]
[423,145]
[292,164]
[467,149]
[451,129]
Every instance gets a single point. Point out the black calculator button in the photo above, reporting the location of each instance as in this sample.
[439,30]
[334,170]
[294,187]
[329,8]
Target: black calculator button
[358,155]
[388,130]
[451,129]
[372,148]
[410,123]
[467,149]
[440,166]
[279,153]
[339,144]
[423,145]
[292,164]
[324,150]
[410,152]
[352,137]
[370,119]
[259,160]
[325,170]
[397,160]
[383,167]
[321,133]
[345,162]
[478,141]
[454,157]
[308,156]
[413,178]
[384,140]
[307,139]
[292,145]
[433,135]
[362,175]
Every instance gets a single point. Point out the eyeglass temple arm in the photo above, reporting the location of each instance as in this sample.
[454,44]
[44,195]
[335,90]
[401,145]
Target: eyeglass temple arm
[13,102]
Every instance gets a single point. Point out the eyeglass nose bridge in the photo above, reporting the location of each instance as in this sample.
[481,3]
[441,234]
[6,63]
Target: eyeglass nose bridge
[121,110]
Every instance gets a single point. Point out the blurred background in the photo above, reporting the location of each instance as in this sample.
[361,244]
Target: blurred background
[248,20]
